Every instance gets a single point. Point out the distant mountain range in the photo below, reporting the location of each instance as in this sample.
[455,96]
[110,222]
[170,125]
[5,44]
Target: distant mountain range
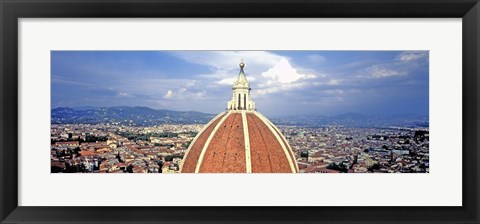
[357,120]
[139,116]
[144,116]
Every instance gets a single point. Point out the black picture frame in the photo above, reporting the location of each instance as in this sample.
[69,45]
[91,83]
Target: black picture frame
[12,10]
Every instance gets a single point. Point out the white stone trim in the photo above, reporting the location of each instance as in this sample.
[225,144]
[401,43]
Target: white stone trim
[204,149]
[283,137]
[241,88]
[285,150]
[248,160]
[197,136]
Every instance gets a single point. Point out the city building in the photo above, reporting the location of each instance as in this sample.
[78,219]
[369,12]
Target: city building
[240,140]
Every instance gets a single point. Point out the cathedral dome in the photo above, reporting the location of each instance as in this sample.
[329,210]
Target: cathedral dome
[239,140]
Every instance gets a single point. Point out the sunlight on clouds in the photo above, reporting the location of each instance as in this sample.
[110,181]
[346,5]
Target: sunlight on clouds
[228,60]
[159,87]
[168,95]
[269,71]
[376,71]
[333,82]
[282,77]
[283,72]
[281,87]
[224,64]
[227,81]
[412,55]
[403,65]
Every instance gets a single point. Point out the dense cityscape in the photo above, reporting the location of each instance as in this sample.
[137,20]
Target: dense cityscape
[120,148]
[197,112]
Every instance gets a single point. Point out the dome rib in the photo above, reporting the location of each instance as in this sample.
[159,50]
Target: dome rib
[226,151]
[248,156]
[284,140]
[215,151]
[279,140]
[234,160]
[196,146]
[207,143]
[289,150]
[261,162]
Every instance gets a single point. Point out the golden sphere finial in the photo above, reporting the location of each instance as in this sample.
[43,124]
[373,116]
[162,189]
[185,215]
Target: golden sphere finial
[242,64]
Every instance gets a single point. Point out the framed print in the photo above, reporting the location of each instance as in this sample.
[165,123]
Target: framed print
[161,111]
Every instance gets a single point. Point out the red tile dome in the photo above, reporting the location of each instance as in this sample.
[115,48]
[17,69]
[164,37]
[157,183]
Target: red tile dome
[239,142]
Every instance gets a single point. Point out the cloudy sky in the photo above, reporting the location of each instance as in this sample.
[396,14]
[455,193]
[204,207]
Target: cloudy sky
[283,82]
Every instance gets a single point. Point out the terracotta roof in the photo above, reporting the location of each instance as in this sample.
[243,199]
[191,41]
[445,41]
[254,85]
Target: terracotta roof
[87,153]
[316,168]
[326,170]
[267,153]
[195,149]
[226,151]
[67,143]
